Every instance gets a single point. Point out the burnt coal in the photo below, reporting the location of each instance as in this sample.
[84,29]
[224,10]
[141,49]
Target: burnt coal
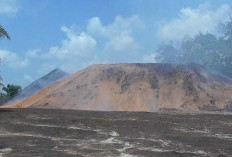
[69,133]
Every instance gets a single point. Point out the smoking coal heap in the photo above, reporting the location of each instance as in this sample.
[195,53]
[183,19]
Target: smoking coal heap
[137,87]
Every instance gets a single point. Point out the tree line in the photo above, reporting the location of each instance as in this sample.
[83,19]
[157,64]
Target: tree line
[212,51]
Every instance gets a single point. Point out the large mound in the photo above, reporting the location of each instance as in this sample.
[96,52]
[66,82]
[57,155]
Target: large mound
[136,87]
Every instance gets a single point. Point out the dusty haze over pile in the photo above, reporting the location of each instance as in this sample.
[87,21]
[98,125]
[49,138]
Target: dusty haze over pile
[39,84]
[136,87]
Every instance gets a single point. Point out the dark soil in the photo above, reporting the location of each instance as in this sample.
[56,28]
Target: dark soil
[59,133]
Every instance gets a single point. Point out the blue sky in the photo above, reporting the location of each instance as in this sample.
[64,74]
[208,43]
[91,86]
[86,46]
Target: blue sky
[74,34]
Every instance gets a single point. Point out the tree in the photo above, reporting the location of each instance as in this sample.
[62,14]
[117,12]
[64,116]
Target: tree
[215,53]
[3,33]
[202,49]
[12,90]
[226,28]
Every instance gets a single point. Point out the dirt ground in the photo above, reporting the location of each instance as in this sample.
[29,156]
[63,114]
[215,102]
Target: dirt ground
[59,133]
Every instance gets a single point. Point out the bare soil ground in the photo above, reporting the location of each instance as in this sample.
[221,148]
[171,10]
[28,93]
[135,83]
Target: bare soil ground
[59,133]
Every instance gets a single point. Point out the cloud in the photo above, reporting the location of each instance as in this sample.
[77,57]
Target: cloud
[96,43]
[121,48]
[32,53]
[119,26]
[108,39]
[191,21]
[9,7]
[116,39]
[76,45]
[121,43]
[12,60]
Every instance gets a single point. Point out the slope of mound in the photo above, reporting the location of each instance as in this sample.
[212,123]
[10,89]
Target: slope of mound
[41,83]
[136,87]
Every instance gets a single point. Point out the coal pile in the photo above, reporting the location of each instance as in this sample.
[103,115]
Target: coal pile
[137,87]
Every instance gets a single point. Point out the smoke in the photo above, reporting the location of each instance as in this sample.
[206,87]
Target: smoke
[196,37]
[39,84]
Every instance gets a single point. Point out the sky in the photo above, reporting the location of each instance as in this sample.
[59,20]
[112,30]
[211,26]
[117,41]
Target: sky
[74,34]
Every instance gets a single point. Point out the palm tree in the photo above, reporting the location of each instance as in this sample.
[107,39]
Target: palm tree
[3,33]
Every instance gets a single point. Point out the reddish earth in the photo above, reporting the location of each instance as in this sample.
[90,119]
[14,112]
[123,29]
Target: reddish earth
[136,87]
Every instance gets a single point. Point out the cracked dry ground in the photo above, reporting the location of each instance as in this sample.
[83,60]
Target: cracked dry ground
[59,133]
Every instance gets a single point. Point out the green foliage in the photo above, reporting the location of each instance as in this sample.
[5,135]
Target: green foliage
[3,33]
[12,90]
